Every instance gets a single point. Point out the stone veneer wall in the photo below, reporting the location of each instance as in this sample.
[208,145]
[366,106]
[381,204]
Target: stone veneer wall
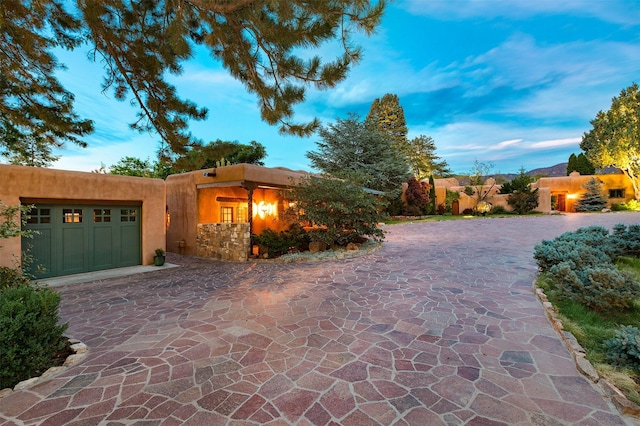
[223,241]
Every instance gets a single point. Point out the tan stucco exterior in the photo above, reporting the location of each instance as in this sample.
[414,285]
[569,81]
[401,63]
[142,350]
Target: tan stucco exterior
[199,197]
[568,189]
[26,185]
[490,192]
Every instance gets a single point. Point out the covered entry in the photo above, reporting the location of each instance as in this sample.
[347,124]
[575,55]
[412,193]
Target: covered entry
[76,238]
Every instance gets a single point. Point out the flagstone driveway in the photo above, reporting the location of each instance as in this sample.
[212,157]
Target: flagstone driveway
[439,327]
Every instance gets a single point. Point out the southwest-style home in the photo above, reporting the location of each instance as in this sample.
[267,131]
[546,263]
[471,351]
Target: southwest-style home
[86,222]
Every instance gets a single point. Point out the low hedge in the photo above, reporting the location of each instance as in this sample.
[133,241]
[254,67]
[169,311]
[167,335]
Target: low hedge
[30,335]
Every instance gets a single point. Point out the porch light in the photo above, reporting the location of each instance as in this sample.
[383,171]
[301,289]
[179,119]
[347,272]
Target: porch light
[264,209]
[572,196]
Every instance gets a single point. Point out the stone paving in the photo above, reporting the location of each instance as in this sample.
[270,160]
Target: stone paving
[439,327]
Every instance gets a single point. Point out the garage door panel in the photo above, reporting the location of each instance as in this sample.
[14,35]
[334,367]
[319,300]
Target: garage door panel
[39,249]
[129,250]
[73,250]
[102,245]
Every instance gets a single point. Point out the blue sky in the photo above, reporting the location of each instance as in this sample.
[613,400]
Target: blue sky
[512,82]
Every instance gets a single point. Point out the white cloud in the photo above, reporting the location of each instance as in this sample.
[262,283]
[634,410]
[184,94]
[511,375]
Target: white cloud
[555,143]
[612,11]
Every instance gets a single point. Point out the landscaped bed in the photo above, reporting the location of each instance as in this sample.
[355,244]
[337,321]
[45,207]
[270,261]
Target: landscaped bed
[591,279]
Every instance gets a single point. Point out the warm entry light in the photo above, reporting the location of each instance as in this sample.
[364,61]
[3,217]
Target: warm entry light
[572,196]
[263,209]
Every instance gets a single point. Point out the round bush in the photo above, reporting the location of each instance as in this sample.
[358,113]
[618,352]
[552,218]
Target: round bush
[624,349]
[29,332]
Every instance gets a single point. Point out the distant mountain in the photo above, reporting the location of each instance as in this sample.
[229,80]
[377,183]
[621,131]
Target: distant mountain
[553,171]
[558,170]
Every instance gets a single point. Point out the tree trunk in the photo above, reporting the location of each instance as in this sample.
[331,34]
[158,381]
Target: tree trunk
[635,181]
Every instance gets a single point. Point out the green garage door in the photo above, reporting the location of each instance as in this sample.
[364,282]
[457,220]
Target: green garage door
[72,239]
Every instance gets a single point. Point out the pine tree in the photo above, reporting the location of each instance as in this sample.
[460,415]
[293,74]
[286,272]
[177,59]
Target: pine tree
[358,152]
[141,43]
[593,200]
[423,160]
[584,166]
[572,164]
[388,116]
[432,195]
[36,112]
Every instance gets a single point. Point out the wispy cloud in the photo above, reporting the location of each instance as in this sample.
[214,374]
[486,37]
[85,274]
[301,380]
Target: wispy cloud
[616,12]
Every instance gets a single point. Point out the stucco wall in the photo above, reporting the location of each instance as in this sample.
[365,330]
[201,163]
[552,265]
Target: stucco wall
[572,187]
[182,205]
[34,184]
[468,202]
[192,198]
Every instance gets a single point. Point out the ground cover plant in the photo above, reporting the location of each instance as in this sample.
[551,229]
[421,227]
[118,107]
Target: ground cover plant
[591,278]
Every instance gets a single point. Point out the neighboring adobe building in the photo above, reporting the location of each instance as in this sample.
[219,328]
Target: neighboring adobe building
[565,189]
[568,189]
[489,192]
[84,221]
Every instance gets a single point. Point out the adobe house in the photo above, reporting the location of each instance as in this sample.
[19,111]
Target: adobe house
[84,221]
[489,191]
[568,189]
[213,212]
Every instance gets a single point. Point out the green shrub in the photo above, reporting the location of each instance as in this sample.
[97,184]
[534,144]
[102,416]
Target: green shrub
[601,288]
[279,243]
[589,246]
[624,349]
[340,211]
[523,202]
[631,205]
[576,254]
[499,210]
[11,278]
[29,332]
[627,239]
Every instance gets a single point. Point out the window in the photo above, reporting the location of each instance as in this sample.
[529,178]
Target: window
[242,215]
[101,215]
[127,215]
[226,214]
[37,215]
[616,193]
[71,215]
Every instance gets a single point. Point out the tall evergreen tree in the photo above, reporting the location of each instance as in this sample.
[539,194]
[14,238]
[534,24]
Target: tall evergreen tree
[358,152]
[421,154]
[572,164]
[432,196]
[584,166]
[593,200]
[387,115]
